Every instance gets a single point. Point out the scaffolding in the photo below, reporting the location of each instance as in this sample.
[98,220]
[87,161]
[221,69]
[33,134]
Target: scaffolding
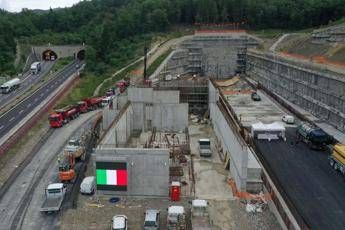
[193,90]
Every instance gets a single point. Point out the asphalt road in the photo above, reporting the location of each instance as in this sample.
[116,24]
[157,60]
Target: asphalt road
[315,189]
[27,81]
[20,204]
[11,118]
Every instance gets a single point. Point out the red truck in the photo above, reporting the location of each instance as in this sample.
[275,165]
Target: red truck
[123,84]
[94,102]
[62,116]
[82,107]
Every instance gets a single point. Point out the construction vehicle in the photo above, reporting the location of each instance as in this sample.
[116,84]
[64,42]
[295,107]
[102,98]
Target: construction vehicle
[10,85]
[176,219]
[82,107]
[73,151]
[54,195]
[200,215]
[313,136]
[123,84]
[94,102]
[205,147]
[35,67]
[337,158]
[62,116]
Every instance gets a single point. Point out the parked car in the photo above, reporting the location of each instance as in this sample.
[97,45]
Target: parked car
[288,119]
[255,97]
[151,219]
[88,185]
[119,222]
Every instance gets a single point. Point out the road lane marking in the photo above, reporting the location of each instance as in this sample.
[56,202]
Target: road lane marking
[1,127]
[28,105]
[21,111]
[12,119]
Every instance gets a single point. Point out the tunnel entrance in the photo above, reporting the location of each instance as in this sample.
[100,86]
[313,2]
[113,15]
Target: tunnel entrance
[81,55]
[49,55]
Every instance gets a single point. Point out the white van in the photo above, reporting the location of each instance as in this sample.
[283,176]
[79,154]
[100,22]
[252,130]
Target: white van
[205,147]
[88,185]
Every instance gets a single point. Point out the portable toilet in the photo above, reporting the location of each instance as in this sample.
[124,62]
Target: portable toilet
[175,191]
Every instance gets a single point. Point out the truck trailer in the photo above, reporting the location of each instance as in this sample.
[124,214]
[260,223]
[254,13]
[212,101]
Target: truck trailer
[10,85]
[337,158]
[313,136]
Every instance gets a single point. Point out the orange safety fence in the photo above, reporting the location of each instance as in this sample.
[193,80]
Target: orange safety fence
[247,195]
[320,59]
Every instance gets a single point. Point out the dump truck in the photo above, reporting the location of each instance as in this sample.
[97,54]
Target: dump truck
[337,158]
[94,102]
[10,85]
[82,107]
[313,136]
[176,218]
[200,215]
[54,195]
[62,116]
[73,151]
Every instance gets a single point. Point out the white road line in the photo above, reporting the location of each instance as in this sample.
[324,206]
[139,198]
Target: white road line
[12,119]
[21,111]
[41,94]
[28,105]
[36,99]
[1,127]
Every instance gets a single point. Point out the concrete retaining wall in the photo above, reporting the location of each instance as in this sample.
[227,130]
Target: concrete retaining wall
[147,170]
[244,168]
[318,91]
[160,109]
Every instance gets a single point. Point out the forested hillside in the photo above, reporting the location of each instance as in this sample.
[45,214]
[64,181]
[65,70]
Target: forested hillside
[110,26]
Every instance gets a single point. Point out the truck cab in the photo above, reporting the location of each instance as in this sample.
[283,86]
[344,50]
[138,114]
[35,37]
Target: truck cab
[55,190]
[55,120]
[151,219]
[205,147]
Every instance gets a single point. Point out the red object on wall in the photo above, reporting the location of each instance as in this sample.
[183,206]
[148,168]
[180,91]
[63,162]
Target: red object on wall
[175,191]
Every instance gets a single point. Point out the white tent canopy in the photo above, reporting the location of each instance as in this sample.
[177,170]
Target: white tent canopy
[268,131]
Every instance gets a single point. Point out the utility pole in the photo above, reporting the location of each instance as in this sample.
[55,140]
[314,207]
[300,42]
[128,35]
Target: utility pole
[145,62]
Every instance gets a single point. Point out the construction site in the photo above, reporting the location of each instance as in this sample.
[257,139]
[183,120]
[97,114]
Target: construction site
[223,135]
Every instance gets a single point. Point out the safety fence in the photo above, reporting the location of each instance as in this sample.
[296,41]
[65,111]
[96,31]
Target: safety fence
[20,133]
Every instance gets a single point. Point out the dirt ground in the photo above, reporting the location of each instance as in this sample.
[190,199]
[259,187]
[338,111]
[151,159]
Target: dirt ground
[226,212]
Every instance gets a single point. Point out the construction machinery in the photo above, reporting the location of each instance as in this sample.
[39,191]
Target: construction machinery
[73,151]
[313,136]
[200,215]
[337,158]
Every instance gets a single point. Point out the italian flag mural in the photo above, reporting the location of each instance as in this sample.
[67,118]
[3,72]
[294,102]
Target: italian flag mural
[111,176]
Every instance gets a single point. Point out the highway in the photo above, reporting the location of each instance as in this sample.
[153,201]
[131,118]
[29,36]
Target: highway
[27,81]
[12,117]
[309,182]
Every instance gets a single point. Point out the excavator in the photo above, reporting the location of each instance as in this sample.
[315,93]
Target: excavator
[73,151]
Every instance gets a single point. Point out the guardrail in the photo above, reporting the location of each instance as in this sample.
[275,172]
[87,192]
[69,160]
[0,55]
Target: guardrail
[33,120]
